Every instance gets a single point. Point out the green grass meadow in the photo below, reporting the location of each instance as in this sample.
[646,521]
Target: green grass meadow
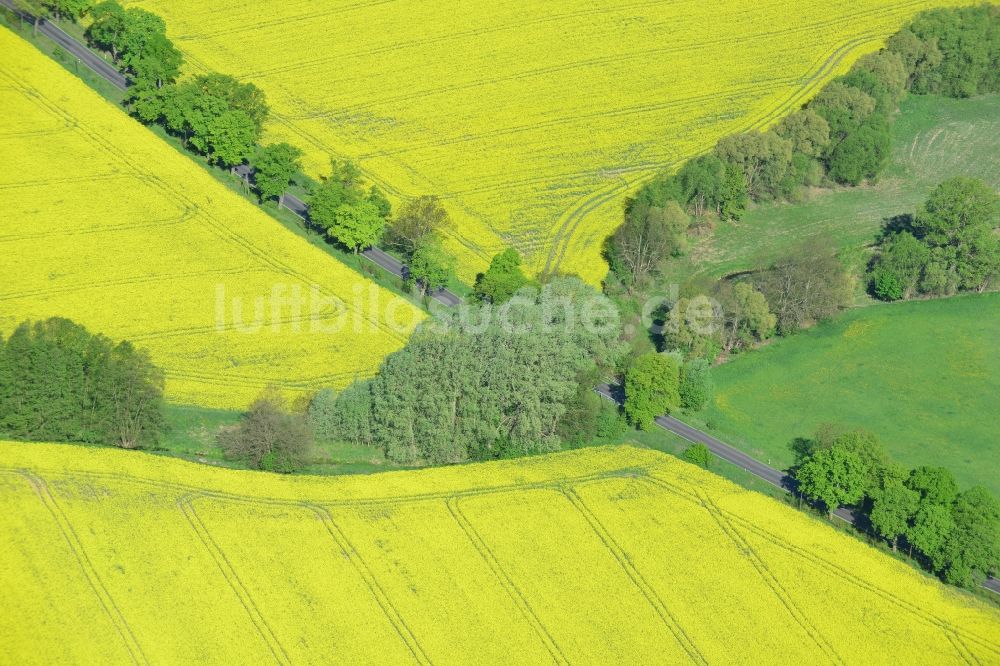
[922,375]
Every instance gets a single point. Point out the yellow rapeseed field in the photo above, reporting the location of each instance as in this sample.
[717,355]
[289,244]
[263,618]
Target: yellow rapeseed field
[609,555]
[106,224]
[532,120]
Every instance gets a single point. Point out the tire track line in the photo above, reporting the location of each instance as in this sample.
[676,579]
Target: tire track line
[572,221]
[125,226]
[831,567]
[392,614]
[625,563]
[506,581]
[179,197]
[770,580]
[186,506]
[89,570]
[440,39]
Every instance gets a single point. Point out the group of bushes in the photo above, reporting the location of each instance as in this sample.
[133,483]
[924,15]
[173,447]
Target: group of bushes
[842,136]
[954,534]
[950,245]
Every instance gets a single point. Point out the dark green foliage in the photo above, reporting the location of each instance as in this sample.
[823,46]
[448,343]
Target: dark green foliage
[971,551]
[652,388]
[62,383]
[694,328]
[892,508]
[929,530]
[950,245]
[698,454]
[807,130]
[957,223]
[861,154]
[610,423]
[935,485]
[645,240]
[833,476]
[502,279]
[890,72]
[897,270]
[341,187]
[845,108]
[953,52]
[137,40]
[341,208]
[72,9]
[274,166]
[376,198]
[431,268]
[418,219]
[956,534]
[268,437]
[747,318]
[696,384]
[213,114]
[343,417]
[762,158]
[493,382]
[581,422]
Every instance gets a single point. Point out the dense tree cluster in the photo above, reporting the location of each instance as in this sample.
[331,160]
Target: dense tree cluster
[502,279]
[956,534]
[950,245]
[417,233]
[952,52]
[495,387]
[353,217]
[213,114]
[61,383]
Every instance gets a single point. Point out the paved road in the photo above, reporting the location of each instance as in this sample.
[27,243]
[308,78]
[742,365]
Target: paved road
[80,51]
[391,264]
[726,452]
[373,254]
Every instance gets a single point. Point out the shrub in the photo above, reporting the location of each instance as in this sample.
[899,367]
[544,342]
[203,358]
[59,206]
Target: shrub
[698,454]
[696,384]
[269,438]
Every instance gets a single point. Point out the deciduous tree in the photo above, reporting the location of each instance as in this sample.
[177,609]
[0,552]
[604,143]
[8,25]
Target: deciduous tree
[502,279]
[652,388]
[274,166]
[416,220]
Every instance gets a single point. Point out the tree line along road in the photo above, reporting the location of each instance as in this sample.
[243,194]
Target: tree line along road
[389,263]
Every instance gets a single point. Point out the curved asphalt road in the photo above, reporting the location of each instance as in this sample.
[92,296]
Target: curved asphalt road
[389,263]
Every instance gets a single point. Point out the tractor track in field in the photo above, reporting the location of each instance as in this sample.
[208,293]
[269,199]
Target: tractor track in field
[93,231]
[672,624]
[452,36]
[392,614]
[826,565]
[505,580]
[576,215]
[186,507]
[90,573]
[770,580]
[956,635]
[178,196]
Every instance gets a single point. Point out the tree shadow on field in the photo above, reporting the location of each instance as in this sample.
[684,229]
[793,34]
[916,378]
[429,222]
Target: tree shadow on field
[894,225]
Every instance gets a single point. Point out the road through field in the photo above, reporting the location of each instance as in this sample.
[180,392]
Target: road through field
[720,449]
[733,455]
